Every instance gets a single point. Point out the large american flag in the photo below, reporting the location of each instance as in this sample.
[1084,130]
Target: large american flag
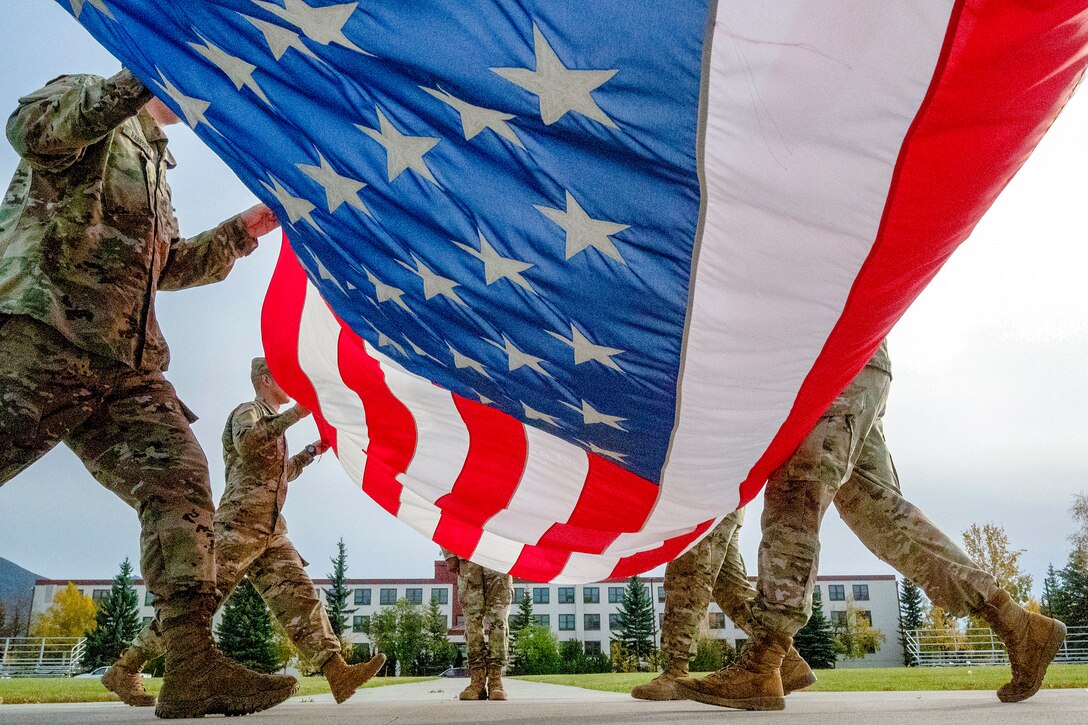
[567,279]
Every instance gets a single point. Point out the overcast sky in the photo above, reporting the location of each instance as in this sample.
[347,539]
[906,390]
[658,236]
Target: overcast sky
[988,416]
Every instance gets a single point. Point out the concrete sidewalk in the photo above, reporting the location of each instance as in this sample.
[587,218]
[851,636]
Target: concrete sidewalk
[536,704]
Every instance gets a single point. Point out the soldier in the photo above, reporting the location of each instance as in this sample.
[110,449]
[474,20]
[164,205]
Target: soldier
[251,540]
[484,595]
[87,237]
[845,460]
[715,567]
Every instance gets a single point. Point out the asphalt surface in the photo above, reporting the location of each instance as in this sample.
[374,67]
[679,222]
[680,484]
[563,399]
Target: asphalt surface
[533,703]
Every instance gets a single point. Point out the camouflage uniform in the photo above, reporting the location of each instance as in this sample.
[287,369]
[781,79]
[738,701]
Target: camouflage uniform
[845,460]
[251,534]
[484,595]
[87,236]
[713,567]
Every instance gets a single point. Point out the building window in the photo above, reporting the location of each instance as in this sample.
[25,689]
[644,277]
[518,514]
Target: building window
[615,595]
[147,620]
[566,622]
[836,593]
[362,596]
[613,621]
[566,595]
[387,596]
[866,615]
[591,595]
[717,620]
[816,591]
[861,592]
[149,599]
[441,596]
[414,595]
[591,622]
[593,647]
[544,620]
[838,619]
[661,621]
[661,594]
[541,595]
[360,623]
[519,595]
[99,594]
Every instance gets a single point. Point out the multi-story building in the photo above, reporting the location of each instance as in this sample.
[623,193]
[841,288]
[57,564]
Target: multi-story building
[585,612]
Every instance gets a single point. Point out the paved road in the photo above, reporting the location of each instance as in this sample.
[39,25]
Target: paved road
[537,704]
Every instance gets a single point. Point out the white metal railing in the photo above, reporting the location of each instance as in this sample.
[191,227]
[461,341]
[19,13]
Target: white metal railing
[951,647]
[41,656]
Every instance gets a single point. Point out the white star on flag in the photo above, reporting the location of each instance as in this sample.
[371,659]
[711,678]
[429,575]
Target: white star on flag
[586,351]
[476,119]
[323,25]
[402,152]
[100,5]
[296,207]
[433,284]
[279,38]
[533,414]
[517,359]
[193,109]
[338,189]
[239,71]
[583,231]
[591,416]
[462,362]
[387,292]
[560,89]
[498,267]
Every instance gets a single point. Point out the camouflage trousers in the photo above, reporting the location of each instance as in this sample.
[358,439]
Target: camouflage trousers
[131,432]
[712,568]
[485,597]
[845,460]
[277,571]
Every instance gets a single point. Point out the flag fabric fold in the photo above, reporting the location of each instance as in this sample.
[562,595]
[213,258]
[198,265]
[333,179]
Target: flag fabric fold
[565,281]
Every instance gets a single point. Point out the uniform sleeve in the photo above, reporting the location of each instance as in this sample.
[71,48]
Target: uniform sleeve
[296,463]
[206,258]
[251,429]
[52,127]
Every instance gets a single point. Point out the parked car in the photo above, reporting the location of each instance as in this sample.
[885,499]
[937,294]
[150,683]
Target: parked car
[99,671]
[455,672]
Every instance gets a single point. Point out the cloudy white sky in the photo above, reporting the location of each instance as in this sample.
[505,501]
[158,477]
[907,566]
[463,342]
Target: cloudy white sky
[988,417]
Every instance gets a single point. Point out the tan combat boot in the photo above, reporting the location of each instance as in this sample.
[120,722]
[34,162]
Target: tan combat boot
[753,682]
[495,690]
[1031,639]
[663,687]
[199,679]
[476,689]
[345,679]
[123,679]
[796,674]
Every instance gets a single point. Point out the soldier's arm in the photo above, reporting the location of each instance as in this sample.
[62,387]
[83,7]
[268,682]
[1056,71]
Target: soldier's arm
[251,429]
[210,256]
[53,126]
[297,462]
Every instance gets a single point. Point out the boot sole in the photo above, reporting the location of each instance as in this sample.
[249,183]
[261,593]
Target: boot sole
[373,666]
[1057,636]
[229,706]
[749,703]
[144,700]
[799,684]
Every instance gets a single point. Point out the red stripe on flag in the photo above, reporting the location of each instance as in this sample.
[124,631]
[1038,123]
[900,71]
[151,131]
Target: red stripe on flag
[637,563]
[390,425]
[488,478]
[281,319]
[613,501]
[994,93]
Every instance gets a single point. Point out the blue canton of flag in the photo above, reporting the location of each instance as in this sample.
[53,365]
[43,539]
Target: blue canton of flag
[501,196]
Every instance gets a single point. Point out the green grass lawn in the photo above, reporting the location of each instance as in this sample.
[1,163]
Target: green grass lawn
[65,689]
[860,680]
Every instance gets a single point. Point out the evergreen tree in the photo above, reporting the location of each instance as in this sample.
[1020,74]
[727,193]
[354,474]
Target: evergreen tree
[336,596]
[438,652]
[245,632]
[1074,590]
[816,641]
[524,617]
[1051,605]
[117,622]
[912,615]
[636,623]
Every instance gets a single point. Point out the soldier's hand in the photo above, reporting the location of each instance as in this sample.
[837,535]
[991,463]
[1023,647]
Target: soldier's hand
[321,446]
[298,412]
[259,220]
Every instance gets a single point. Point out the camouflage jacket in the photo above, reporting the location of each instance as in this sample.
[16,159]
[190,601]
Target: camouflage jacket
[880,359]
[87,230]
[258,467]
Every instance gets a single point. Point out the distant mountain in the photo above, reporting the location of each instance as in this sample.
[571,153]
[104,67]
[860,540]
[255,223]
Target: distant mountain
[15,581]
